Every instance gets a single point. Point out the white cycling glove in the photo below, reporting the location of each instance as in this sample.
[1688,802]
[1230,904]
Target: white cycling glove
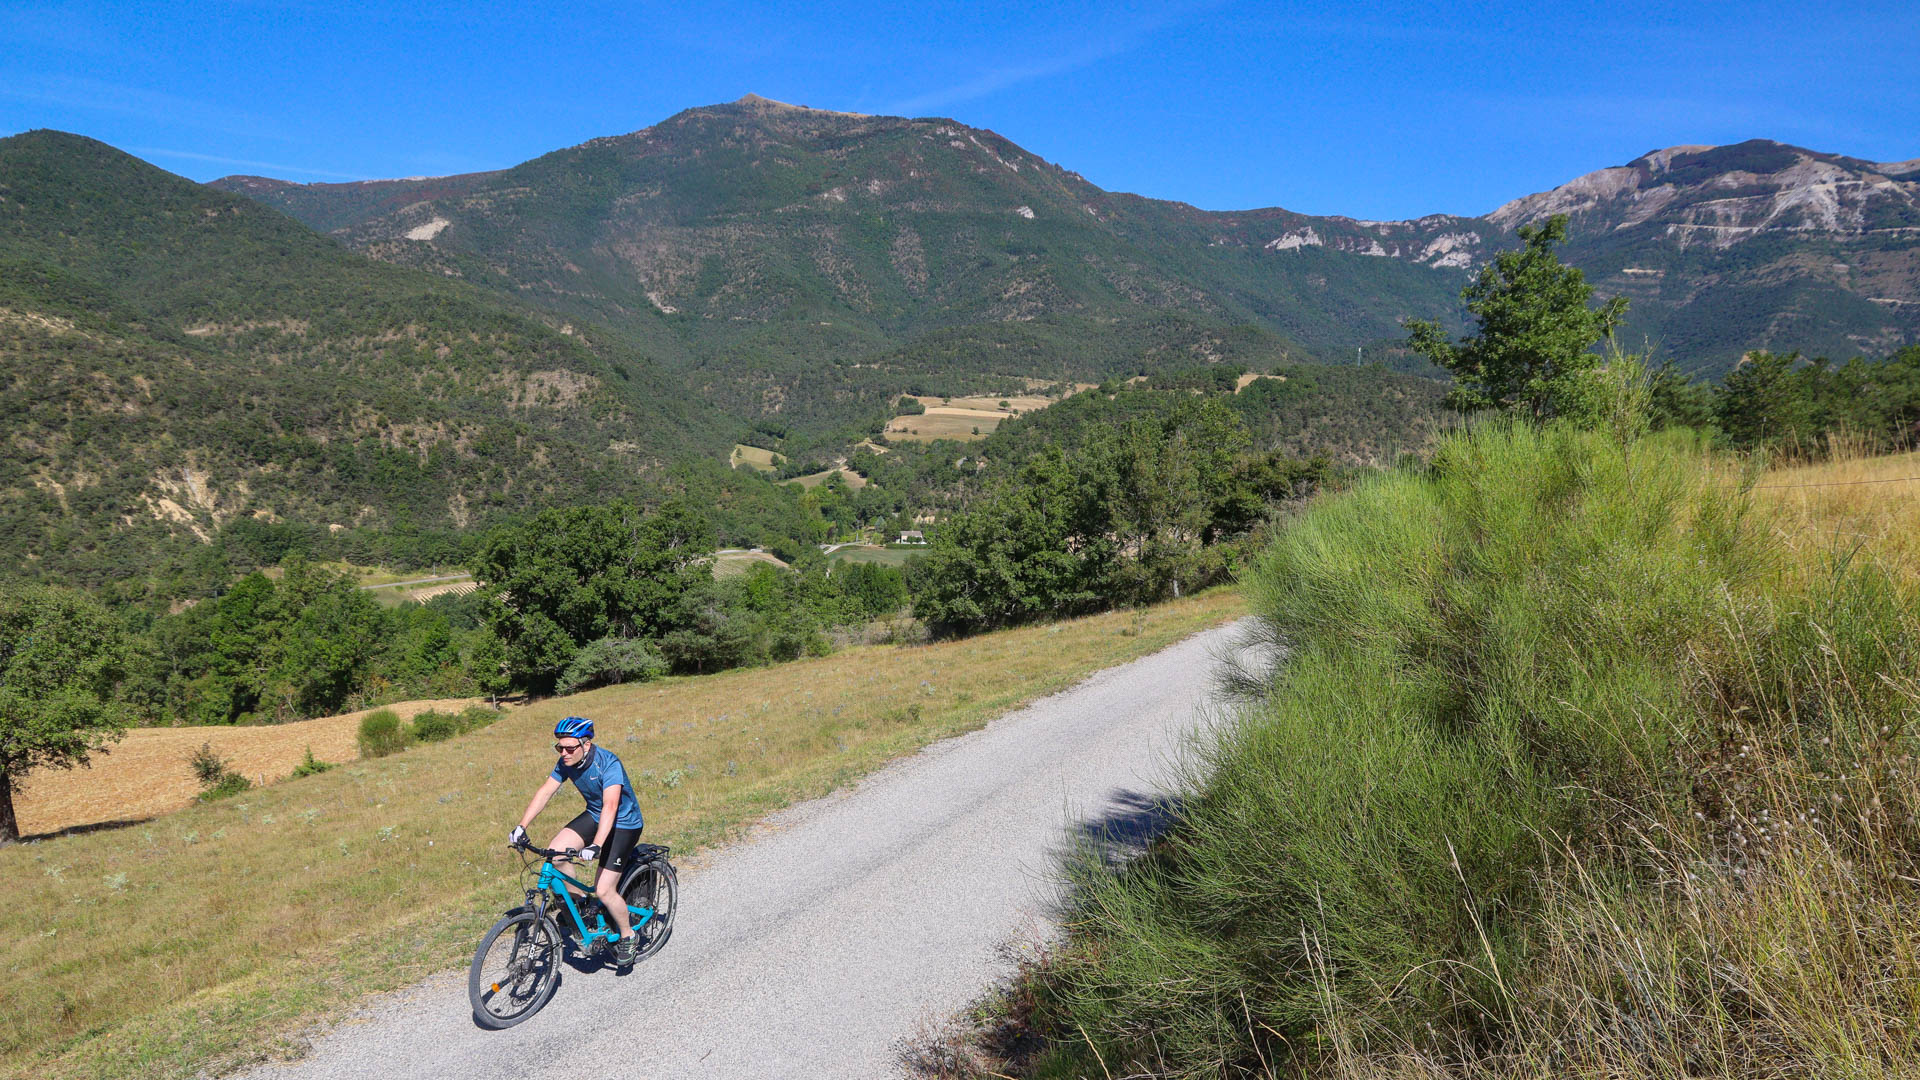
[590,853]
[517,837]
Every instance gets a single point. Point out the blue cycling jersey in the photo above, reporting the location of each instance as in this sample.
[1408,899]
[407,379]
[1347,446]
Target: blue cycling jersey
[593,776]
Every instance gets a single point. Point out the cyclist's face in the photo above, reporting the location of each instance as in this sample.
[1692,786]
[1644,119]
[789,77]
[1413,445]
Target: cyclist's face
[571,749]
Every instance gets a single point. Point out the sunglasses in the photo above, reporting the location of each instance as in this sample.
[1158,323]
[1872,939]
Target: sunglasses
[568,748]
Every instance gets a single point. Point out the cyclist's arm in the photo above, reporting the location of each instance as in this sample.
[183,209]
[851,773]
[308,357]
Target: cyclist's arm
[539,801]
[610,809]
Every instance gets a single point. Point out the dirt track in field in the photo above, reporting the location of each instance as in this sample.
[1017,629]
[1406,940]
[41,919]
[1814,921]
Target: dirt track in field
[146,773]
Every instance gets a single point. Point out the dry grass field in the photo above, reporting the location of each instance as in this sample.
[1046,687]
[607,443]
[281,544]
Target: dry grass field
[146,773]
[754,458]
[961,418]
[962,425]
[212,937]
[1860,507]
[813,480]
[1024,404]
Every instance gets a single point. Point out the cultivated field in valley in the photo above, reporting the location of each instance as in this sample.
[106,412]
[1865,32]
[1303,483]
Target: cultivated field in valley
[146,773]
[961,418]
[754,457]
[874,553]
[732,561]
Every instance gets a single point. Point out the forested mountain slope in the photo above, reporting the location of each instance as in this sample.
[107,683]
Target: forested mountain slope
[179,359]
[812,264]
[749,237]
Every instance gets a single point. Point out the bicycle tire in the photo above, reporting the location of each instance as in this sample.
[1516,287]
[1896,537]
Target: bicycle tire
[515,969]
[652,884]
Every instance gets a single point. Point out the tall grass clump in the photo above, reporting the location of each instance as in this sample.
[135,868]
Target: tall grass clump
[1573,769]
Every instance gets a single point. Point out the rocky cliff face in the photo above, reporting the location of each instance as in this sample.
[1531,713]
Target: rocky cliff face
[1720,196]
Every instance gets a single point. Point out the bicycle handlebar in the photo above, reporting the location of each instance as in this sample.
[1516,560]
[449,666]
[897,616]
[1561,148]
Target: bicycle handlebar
[569,854]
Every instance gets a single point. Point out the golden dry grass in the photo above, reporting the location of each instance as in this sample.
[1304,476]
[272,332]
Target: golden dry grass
[1020,404]
[146,773]
[937,423]
[754,457]
[1865,507]
[962,418]
[211,937]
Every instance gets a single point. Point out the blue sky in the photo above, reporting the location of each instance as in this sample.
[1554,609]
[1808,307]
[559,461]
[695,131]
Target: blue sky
[1381,110]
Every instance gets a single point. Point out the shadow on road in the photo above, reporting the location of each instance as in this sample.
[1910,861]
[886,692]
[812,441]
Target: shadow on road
[1132,821]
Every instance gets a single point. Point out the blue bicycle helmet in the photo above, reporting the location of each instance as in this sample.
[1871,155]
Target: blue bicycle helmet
[574,727]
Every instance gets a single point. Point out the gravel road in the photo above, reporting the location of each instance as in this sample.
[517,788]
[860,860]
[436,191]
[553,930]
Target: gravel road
[846,926]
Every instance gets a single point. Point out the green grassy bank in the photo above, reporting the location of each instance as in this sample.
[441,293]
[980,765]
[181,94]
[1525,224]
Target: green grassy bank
[1576,769]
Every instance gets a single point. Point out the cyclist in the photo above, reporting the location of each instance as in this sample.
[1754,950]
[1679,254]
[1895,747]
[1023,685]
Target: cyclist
[602,781]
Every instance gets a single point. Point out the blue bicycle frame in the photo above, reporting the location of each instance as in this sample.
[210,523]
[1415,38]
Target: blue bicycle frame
[555,882]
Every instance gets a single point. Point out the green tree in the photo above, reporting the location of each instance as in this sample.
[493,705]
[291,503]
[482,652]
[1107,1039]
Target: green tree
[1764,401]
[1678,401]
[1040,545]
[566,577]
[1169,473]
[1536,331]
[61,655]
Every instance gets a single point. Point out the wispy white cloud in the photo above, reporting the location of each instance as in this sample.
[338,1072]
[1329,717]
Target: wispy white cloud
[993,80]
[244,163]
[997,79]
[96,95]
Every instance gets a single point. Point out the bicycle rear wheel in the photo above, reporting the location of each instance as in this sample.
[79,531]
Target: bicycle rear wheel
[653,885]
[515,969]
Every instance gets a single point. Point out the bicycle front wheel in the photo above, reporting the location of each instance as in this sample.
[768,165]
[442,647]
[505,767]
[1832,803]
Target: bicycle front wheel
[652,885]
[515,969]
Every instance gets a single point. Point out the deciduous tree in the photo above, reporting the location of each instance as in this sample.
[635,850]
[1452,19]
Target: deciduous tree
[566,577]
[61,654]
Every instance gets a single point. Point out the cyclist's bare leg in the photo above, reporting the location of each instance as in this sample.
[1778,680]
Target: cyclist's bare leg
[607,887]
[564,840]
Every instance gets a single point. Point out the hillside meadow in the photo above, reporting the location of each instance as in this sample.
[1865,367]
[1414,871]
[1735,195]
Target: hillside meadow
[211,938]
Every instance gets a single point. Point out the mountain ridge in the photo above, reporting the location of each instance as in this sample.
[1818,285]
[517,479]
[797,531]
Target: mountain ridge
[764,167]
[179,360]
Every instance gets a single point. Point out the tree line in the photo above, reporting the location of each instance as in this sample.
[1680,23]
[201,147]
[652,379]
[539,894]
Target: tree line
[1138,512]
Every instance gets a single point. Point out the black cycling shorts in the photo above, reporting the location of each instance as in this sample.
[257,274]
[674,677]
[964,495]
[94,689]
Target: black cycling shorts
[620,842]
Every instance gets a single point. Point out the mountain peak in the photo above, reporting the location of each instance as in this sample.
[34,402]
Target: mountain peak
[765,104]
[1719,196]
